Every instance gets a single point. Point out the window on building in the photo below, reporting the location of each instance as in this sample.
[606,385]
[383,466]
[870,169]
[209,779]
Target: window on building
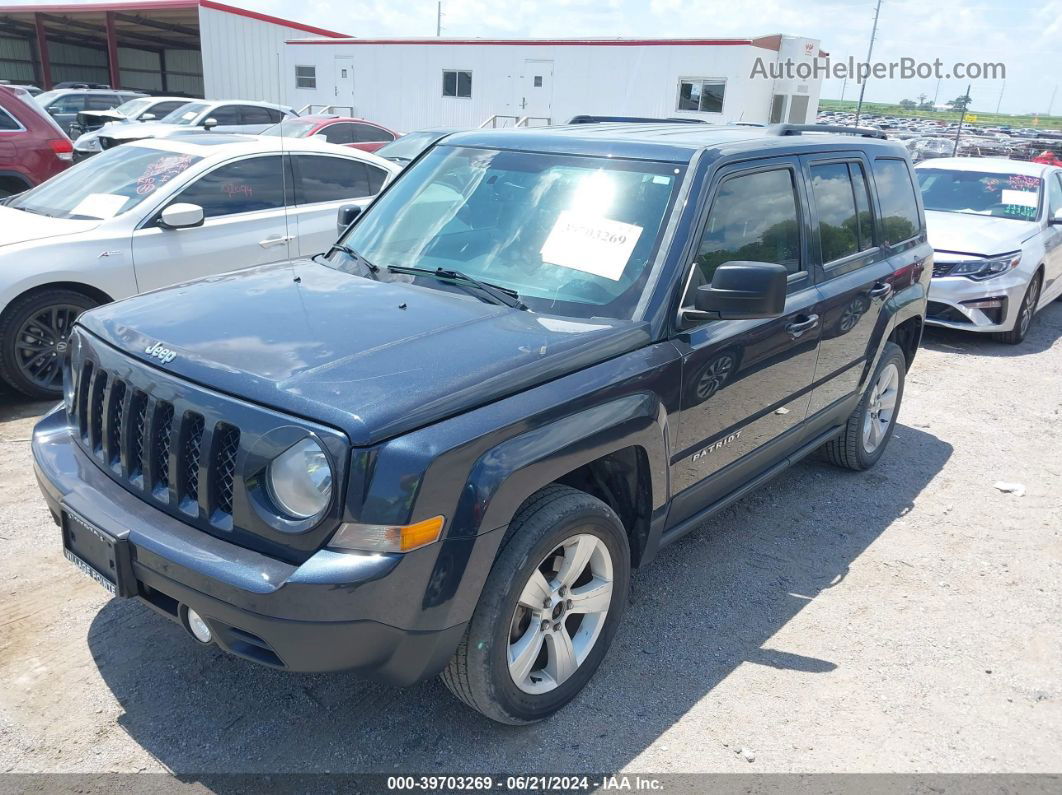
[899,207]
[701,95]
[305,77]
[845,227]
[777,108]
[457,83]
[798,109]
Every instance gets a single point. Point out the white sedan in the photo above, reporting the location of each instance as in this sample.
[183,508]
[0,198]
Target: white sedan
[996,230]
[153,213]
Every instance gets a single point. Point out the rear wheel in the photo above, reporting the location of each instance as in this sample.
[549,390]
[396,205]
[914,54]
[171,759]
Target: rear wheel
[1026,311]
[870,426]
[34,333]
[548,611]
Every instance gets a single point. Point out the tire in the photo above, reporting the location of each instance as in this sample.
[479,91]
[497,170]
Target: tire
[479,673]
[853,449]
[1026,312]
[40,321]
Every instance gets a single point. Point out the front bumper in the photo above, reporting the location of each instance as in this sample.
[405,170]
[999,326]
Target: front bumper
[950,299]
[372,613]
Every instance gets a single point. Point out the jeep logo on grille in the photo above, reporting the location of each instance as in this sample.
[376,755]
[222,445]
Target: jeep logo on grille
[163,354]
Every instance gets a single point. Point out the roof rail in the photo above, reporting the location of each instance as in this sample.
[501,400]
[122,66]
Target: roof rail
[799,129]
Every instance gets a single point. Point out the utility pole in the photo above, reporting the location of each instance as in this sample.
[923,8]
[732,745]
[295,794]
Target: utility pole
[936,94]
[962,116]
[1051,104]
[870,52]
[844,85]
[1000,103]
[438,18]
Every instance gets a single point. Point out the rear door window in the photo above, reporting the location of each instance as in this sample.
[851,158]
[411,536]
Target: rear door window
[842,206]
[341,133]
[326,179]
[900,220]
[101,101]
[249,185]
[251,114]
[367,133]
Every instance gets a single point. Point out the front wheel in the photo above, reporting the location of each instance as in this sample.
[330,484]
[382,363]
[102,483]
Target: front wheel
[869,428]
[1026,311]
[548,611]
[34,331]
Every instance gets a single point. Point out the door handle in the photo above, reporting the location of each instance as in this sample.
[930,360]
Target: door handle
[880,290]
[269,242]
[798,327]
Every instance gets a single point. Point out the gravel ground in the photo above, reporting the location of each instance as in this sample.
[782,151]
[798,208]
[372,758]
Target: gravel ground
[903,620]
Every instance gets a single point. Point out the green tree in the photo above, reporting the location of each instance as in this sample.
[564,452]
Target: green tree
[960,103]
[908,104]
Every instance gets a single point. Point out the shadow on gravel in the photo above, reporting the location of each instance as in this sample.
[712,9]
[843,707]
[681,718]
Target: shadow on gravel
[1046,329]
[14,406]
[708,604]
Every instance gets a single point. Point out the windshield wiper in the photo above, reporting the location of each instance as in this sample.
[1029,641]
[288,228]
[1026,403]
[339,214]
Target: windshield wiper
[498,294]
[354,255]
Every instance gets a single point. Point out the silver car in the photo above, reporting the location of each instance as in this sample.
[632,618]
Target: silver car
[996,229]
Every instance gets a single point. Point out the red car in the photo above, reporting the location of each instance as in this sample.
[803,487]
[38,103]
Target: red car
[32,146]
[356,133]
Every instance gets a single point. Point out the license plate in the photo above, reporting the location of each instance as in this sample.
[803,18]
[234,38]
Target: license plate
[98,554]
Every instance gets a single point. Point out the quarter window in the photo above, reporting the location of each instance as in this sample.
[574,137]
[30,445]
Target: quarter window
[754,217]
[1055,193]
[899,207]
[7,122]
[244,186]
[305,77]
[840,191]
[326,179]
[705,95]
[457,83]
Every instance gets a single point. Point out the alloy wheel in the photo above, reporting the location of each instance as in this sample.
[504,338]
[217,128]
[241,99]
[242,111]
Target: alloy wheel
[41,342]
[881,407]
[560,614]
[1028,306]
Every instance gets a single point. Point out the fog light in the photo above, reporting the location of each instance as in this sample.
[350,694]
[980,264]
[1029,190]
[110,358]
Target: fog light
[987,303]
[198,627]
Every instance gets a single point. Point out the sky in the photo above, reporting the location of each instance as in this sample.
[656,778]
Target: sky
[1024,35]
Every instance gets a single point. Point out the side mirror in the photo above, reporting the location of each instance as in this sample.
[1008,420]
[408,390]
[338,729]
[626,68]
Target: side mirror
[181,216]
[348,213]
[1057,219]
[147,116]
[210,124]
[742,290]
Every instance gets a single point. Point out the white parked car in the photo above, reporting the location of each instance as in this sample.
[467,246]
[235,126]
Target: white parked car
[229,116]
[996,229]
[154,213]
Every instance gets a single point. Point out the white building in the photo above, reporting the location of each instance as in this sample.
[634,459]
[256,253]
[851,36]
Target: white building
[410,84]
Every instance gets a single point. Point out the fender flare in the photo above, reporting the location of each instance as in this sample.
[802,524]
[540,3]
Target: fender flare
[503,477]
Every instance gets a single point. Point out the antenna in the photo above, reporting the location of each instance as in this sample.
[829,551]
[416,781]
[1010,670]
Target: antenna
[870,51]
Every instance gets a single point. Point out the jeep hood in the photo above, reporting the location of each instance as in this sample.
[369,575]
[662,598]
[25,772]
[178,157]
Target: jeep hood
[981,235]
[19,226]
[375,359]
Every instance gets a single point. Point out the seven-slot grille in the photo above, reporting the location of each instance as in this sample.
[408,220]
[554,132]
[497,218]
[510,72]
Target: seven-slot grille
[144,441]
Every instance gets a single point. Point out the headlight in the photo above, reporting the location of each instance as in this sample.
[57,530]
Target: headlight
[300,480]
[88,144]
[981,269]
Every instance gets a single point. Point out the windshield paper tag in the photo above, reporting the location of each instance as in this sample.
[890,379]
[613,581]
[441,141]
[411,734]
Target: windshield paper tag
[591,244]
[1022,198]
[100,205]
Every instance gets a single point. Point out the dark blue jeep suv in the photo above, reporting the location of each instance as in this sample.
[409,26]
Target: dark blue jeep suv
[538,357]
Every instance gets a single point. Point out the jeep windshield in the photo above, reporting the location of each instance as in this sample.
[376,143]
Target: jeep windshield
[572,236]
